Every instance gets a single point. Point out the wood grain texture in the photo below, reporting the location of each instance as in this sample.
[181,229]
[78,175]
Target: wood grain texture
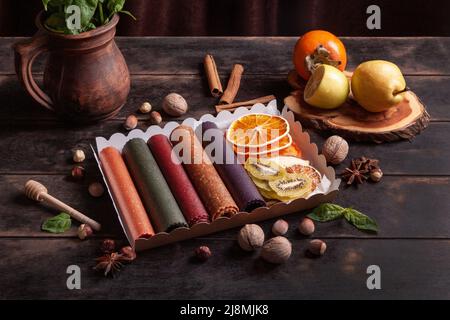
[409,270]
[414,55]
[401,206]
[17,105]
[350,121]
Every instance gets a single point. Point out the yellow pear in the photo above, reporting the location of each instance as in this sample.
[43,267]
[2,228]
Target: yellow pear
[378,85]
[327,88]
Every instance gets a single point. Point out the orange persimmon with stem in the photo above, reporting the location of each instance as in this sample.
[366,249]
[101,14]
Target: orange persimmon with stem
[318,47]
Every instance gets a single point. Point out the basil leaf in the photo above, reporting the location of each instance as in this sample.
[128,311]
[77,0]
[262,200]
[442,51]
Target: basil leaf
[56,23]
[326,212]
[360,220]
[115,6]
[57,224]
[87,11]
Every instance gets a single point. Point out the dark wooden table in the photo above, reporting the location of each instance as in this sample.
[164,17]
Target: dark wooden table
[411,204]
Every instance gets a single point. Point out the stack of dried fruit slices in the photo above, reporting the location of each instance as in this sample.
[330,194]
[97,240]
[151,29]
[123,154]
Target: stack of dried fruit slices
[272,158]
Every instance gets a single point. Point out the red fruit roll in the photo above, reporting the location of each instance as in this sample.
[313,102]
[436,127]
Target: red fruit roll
[207,182]
[177,179]
[131,210]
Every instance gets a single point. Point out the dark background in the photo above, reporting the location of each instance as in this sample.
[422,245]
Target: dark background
[255,17]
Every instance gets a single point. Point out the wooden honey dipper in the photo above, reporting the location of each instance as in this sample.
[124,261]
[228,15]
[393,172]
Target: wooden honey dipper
[38,192]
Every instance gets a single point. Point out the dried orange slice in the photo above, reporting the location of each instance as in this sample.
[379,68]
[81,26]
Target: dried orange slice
[289,150]
[278,145]
[257,130]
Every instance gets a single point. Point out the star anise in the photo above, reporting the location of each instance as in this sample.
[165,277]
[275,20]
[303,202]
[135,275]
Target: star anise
[355,173]
[369,164]
[110,263]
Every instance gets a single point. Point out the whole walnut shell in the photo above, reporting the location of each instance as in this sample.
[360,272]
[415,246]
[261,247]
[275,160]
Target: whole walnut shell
[335,149]
[276,250]
[174,105]
[251,237]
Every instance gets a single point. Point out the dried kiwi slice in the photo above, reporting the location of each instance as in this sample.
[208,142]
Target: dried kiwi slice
[264,169]
[271,195]
[292,185]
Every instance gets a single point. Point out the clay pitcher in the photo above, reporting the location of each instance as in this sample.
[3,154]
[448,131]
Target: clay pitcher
[86,77]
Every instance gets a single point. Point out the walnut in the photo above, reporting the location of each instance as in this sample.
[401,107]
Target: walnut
[276,250]
[335,149]
[251,237]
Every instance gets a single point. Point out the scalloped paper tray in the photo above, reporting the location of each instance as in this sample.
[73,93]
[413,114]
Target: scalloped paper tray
[223,120]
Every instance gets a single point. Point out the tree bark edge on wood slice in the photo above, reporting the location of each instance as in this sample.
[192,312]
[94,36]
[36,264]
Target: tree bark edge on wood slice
[351,121]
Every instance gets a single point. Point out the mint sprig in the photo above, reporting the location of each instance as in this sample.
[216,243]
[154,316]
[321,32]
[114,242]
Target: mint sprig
[57,224]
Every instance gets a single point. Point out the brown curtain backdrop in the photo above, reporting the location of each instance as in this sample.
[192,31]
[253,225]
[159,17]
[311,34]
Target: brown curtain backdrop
[255,17]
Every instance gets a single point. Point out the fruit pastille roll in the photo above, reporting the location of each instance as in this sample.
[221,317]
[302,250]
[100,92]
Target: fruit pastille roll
[182,189]
[207,182]
[126,197]
[233,174]
[161,205]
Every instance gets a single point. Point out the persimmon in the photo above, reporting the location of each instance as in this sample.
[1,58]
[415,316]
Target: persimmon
[318,47]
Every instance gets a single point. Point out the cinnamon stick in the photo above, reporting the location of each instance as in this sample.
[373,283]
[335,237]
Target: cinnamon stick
[233,85]
[213,76]
[249,103]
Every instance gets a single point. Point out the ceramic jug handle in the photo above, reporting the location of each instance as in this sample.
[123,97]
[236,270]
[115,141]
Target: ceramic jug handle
[25,53]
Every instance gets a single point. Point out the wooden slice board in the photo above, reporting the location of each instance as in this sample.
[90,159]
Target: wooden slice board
[403,121]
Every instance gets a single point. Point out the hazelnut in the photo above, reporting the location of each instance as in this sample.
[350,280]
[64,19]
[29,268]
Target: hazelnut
[317,247]
[77,172]
[78,156]
[146,107]
[174,105]
[203,253]
[376,175]
[131,122]
[155,117]
[335,149]
[96,189]
[84,231]
[306,227]
[128,253]
[108,246]
[251,237]
[280,227]
[276,250]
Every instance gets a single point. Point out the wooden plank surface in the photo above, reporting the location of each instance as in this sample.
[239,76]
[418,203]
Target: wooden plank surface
[263,55]
[46,147]
[17,105]
[410,269]
[397,204]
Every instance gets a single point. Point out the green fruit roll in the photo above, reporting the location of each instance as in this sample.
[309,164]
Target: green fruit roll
[155,193]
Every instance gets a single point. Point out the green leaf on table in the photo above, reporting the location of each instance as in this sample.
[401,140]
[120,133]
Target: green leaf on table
[326,212]
[57,224]
[360,220]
